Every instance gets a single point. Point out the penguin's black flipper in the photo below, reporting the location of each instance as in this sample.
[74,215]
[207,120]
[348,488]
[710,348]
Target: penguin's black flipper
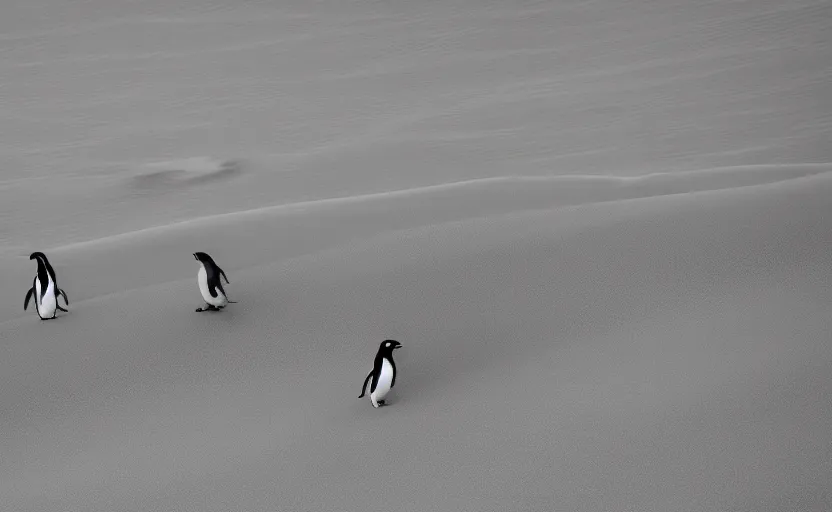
[364,386]
[218,286]
[62,309]
[63,294]
[28,298]
[222,273]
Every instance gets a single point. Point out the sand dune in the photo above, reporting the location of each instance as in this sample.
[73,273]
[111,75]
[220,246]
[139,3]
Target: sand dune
[659,353]
[350,97]
[264,235]
[601,229]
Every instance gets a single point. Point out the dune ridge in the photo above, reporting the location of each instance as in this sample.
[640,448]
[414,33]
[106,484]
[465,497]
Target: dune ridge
[155,255]
[604,188]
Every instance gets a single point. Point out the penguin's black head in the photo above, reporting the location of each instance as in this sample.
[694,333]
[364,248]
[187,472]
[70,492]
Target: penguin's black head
[203,257]
[44,267]
[389,345]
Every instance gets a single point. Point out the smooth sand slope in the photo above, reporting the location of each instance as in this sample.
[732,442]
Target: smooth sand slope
[113,110]
[601,229]
[663,353]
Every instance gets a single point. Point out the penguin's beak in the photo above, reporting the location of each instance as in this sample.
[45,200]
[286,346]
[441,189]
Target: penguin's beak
[399,345]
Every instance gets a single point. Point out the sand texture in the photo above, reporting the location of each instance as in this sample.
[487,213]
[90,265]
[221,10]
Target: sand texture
[602,231]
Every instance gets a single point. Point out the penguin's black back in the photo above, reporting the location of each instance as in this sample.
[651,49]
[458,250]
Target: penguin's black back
[212,273]
[382,354]
[45,272]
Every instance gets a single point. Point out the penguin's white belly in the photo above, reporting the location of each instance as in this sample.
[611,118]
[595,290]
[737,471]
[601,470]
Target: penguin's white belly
[202,279]
[47,306]
[385,381]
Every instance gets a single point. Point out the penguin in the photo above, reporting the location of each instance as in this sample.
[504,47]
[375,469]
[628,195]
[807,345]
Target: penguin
[383,375]
[45,290]
[210,285]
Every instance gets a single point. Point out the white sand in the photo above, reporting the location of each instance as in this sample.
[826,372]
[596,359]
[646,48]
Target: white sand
[602,231]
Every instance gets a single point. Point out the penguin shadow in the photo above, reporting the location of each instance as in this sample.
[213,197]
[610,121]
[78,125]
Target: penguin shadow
[437,365]
[419,374]
[247,300]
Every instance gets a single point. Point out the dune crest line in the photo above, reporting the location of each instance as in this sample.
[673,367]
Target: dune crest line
[665,183]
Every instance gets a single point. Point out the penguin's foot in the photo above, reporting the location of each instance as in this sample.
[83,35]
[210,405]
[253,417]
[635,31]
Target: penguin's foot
[208,307]
[381,403]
